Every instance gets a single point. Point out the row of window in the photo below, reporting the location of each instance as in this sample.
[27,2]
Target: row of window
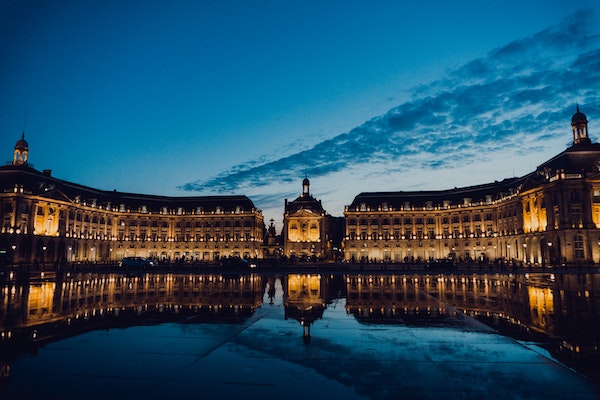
[420,220]
[94,219]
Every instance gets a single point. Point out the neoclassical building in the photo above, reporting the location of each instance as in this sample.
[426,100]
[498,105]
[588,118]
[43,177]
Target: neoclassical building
[48,220]
[549,216]
[308,231]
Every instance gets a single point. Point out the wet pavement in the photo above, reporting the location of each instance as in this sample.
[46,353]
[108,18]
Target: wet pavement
[284,349]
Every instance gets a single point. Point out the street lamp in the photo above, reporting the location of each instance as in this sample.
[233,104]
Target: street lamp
[44,256]
[12,258]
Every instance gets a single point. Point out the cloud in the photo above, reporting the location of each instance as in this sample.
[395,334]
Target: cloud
[516,100]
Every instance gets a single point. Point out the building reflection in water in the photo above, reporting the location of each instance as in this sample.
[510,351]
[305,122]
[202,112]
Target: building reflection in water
[304,300]
[560,310]
[48,307]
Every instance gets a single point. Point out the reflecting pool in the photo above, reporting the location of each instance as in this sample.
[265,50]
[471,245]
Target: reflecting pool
[296,335]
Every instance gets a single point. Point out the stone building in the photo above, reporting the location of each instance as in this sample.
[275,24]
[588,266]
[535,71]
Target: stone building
[308,231]
[549,216]
[48,220]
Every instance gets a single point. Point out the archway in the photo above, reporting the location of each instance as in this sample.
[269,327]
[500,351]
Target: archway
[554,251]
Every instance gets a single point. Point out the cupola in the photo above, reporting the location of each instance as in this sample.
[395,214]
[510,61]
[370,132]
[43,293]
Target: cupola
[21,154]
[305,187]
[580,129]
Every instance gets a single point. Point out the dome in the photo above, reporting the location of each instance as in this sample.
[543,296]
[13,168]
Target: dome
[22,143]
[305,182]
[579,117]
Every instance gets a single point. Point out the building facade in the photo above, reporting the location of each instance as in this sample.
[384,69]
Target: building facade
[48,220]
[550,216]
[308,231]
[304,226]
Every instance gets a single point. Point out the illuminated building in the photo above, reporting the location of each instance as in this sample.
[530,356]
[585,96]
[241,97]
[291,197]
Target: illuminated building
[308,231]
[304,300]
[47,220]
[550,216]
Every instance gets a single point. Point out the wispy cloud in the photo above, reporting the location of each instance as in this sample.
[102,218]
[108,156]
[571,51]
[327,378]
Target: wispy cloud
[516,100]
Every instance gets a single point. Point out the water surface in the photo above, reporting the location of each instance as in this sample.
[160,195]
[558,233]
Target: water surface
[298,335]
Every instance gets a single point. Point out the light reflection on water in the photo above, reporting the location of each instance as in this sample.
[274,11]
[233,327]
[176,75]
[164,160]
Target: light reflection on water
[364,320]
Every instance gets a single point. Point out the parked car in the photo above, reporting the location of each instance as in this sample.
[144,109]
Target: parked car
[136,262]
[236,264]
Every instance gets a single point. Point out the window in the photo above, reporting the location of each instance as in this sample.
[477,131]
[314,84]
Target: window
[578,246]
[574,197]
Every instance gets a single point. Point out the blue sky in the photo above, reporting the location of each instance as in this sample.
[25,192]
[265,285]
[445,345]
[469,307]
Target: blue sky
[248,97]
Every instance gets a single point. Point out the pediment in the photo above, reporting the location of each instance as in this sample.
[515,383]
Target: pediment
[56,194]
[303,212]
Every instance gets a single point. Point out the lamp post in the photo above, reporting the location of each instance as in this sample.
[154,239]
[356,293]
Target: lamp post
[12,256]
[44,247]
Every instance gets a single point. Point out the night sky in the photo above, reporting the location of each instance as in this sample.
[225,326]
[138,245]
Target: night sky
[249,97]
